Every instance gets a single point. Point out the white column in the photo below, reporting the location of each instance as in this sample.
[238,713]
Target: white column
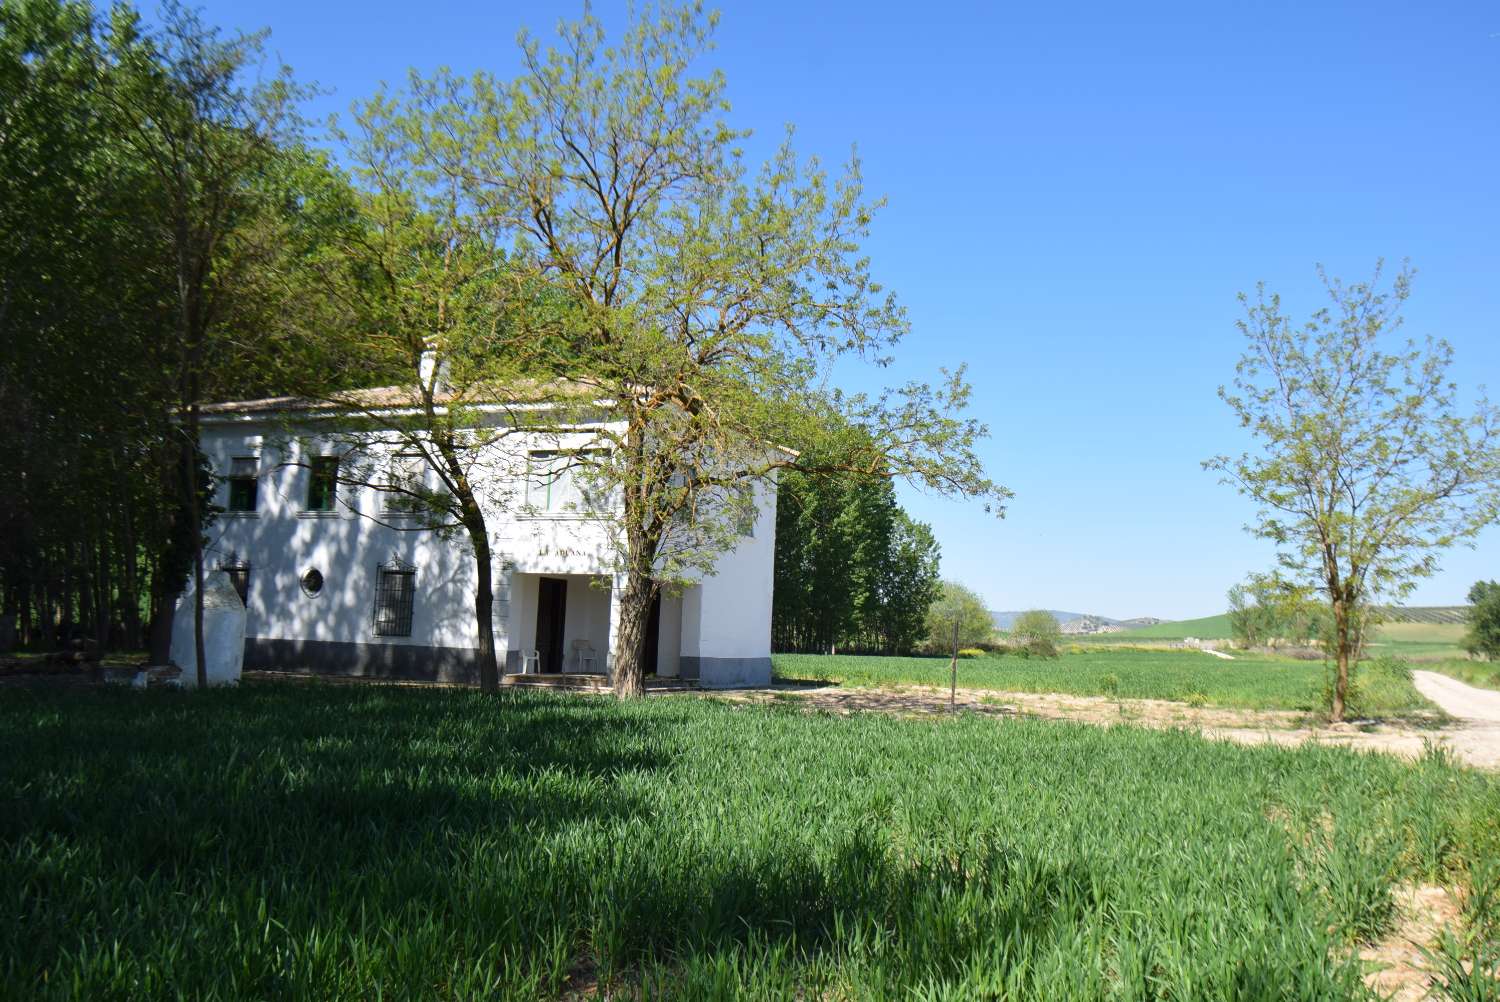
[616,587]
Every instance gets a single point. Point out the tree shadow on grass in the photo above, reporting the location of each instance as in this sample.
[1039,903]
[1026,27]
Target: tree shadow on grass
[423,832]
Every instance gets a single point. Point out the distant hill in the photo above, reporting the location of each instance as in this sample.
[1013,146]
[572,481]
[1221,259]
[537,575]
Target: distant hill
[1217,627]
[1425,613]
[1207,628]
[1004,620]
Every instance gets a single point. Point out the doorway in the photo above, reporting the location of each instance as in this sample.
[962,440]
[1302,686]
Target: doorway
[653,636]
[551,606]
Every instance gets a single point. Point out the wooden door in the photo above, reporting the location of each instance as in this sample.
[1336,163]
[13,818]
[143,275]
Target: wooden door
[552,603]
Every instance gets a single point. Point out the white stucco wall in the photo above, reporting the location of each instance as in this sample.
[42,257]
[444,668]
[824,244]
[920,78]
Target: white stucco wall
[728,615]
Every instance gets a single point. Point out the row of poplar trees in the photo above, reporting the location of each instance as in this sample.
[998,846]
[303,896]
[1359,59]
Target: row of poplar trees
[152,205]
[854,572]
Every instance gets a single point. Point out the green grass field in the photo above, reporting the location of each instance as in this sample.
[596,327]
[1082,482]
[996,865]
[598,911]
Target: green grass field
[1249,681]
[349,842]
[1422,639]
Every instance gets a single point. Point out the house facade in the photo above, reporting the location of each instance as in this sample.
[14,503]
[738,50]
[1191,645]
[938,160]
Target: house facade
[341,579]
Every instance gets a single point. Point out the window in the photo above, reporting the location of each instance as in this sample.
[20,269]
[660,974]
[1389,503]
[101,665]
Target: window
[408,472]
[559,481]
[239,576]
[323,487]
[395,590]
[746,512]
[243,486]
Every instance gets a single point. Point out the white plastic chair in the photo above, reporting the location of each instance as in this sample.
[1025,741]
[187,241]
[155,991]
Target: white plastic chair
[531,662]
[583,656]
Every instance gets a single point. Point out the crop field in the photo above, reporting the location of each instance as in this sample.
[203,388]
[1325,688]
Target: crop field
[1249,681]
[349,842]
[1207,628]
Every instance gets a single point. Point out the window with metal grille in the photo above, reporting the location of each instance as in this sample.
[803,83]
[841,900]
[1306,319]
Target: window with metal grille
[239,576]
[323,487]
[395,591]
[243,486]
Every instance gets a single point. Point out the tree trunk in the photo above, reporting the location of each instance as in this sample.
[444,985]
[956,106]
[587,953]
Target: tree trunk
[484,603]
[1341,659]
[630,641]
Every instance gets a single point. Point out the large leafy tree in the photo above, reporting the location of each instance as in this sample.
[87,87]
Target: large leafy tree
[706,301]
[1482,638]
[180,100]
[1367,463]
[420,297]
[958,613]
[83,375]
[131,198]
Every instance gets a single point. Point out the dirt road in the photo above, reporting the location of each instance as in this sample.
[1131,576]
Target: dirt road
[1477,736]
[1472,737]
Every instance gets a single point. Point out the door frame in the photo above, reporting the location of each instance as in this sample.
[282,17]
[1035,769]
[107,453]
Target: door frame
[651,649]
[552,658]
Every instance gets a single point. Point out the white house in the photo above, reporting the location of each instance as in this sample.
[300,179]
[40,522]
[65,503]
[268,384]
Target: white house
[332,585]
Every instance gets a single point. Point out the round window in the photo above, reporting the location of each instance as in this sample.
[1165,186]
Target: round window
[312,582]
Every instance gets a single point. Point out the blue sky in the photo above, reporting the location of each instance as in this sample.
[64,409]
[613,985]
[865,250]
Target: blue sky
[1076,195]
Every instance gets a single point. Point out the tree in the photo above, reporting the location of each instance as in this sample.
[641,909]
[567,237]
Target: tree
[427,299]
[1036,632]
[206,138]
[85,381]
[1483,635]
[908,582]
[1267,608]
[96,534]
[961,606]
[1367,464]
[1249,620]
[852,569]
[703,306]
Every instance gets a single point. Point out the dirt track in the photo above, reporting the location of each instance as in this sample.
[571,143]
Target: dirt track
[1471,741]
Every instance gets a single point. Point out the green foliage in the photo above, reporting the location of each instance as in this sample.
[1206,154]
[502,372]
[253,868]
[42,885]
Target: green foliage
[958,609]
[1268,609]
[122,147]
[1460,974]
[1483,636]
[701,301]
[1036,633]
[852,568]
[1367,465]
[341,842]
[970,652]
[1252,682]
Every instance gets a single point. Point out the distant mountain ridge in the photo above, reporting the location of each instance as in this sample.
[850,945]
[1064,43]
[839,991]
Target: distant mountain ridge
[1087,621]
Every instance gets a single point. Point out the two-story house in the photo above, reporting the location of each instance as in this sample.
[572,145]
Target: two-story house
[335,581]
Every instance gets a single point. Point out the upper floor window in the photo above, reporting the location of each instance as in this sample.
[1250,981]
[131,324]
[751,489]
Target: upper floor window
[746,512]
[243,485]
[559,481]
[408,474]
[323,486]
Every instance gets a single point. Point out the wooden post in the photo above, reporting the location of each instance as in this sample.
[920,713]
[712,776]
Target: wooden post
[953,670]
